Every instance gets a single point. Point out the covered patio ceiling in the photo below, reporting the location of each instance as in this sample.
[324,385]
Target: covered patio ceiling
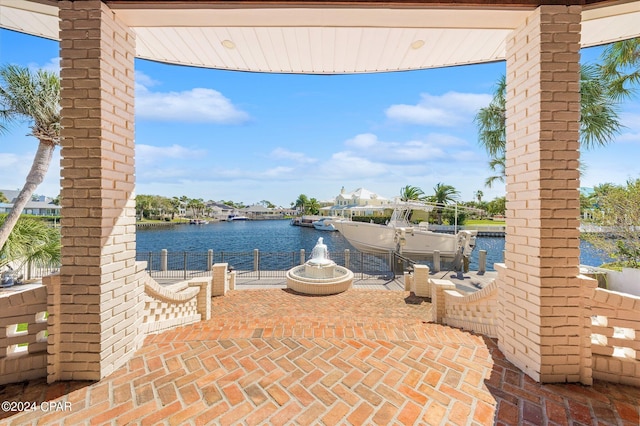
[324,37]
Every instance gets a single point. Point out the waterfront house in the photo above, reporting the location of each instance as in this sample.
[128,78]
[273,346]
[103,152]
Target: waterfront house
[260,212]
[40,205]
[360,202]
[219,211]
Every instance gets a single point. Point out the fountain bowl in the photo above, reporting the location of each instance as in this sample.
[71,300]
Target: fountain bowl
[319,280]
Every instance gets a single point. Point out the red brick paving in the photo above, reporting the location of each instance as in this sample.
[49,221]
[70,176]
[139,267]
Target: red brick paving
[361,357]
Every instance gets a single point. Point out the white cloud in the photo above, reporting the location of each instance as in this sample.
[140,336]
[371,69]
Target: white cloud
[368,146]
[631,131]
[9,161]
[143,81]
[629,137]
[446,110]
[15,167]
[52,66]
[149,154]
[198,105]
[298,157]
[347,165]
[277,172]
[163,174]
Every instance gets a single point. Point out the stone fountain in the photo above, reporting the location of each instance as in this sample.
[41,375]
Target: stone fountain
[319,275]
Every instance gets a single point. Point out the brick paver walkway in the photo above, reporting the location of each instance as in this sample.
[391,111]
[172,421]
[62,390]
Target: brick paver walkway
[361,357]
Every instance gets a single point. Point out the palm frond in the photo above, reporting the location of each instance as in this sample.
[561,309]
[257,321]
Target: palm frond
[31,240]
[491,121]
[599,120]
[621,68]
[33,97]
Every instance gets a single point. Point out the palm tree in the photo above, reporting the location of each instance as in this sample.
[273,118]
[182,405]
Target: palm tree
[443,195]
[197,206]
[498,165]
[479,194]
[31,240]
[302,202]
[175,206]
[621,66]
[144,203]
[599,122]
[314,206]
[411,193]
[35,97]
[491,121]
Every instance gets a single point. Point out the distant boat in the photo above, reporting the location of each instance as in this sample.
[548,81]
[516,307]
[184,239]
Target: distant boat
[234,217]
[324,224]
[306,221]
[198,222]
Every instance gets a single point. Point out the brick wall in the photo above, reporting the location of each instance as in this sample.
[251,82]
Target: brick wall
[23,353]
[100,298]
[540,298]
[182,304]
[37,350]
[615,338]
[476,311]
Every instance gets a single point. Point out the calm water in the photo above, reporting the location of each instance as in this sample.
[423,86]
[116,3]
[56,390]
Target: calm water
[280,236]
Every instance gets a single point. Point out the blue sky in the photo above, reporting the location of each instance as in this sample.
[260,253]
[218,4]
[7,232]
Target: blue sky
[249,137]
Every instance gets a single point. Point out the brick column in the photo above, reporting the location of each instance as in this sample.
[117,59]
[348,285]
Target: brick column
[541,323]
[220,279]
[100,299]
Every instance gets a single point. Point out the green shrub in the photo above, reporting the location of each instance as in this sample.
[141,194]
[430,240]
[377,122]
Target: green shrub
[380,220]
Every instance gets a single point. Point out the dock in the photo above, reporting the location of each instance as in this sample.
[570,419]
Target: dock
[469,282]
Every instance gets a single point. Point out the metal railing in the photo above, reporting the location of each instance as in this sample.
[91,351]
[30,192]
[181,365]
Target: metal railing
[32,270]
[252,264]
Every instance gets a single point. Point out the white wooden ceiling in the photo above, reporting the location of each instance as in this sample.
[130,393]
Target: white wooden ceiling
[324,40]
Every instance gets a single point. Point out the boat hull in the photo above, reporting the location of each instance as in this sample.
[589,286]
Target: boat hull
[324,224]
[415,243]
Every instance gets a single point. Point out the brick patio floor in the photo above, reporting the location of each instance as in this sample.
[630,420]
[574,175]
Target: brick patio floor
[361,357]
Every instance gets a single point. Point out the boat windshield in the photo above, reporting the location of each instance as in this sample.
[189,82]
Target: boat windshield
[400,217]
[402,212]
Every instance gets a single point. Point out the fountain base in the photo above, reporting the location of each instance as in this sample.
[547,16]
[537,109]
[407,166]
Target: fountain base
[319,275]
[323,281]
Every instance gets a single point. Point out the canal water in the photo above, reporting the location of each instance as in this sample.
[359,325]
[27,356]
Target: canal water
[280,236]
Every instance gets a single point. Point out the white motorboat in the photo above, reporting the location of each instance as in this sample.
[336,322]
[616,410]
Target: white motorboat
[399,235]
[324,224]
[234,218]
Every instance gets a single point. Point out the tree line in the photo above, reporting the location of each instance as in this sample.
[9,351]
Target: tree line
[614,211]
[167,208]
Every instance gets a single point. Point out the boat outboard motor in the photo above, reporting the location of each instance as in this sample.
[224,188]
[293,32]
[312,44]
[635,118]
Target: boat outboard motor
[466,244]
[400,239]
